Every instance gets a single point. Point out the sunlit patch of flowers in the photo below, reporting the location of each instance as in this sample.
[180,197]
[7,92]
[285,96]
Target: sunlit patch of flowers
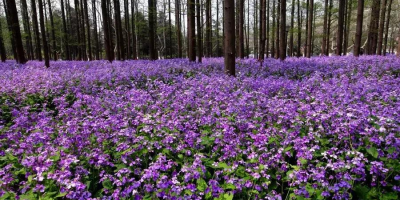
[320,128]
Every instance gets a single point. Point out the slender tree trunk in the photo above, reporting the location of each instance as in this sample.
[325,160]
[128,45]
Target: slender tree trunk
[199,33]
[134,50]
[15,31]
[310,28]
[255,29]
[229,43]
[42,29]
[78,31]
[307,19]
[208,28]
[241,28]
[27,30]
[324,35]
[262,31]
[169,29]
[291,44]
[381,27]
[298,29]
[10,28]
[387,27]
[65,34]
[107,36]
[127,29]
[278,30]
[329,27]
[339,38]
[53,34]
[218,36]
[36,31]
[360,13]
[83,30]
[191,30]
[273,29]
[373,28]
[178,27]
[89,43]
[282,42]
[95,34]
[348,20]
[118,30]
[267,31]
[3,54]
[72,48]
[152,29]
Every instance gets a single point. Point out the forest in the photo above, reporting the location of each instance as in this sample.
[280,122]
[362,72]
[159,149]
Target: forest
[199,99]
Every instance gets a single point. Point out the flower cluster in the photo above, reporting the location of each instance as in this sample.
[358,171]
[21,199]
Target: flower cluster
[326,127]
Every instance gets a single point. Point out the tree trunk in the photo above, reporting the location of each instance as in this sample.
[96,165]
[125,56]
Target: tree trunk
[89,43]
[169,29]
[278,30]
[78,31]
[241,29]
[282,42]
[178,27]
[118,30]
[27,30]
[262,31]
[152,29]
[292,29]
[255,29]
[107,36]
[310,28]
[324,34]
[83,30]
[273,29]
[96,37]
[307,16]
[53,34]
[329,27]
[373,28]
[65,34]
[134,50]
[127,29]
[191,30]
[42,29]
[339,38]
[208,29]
[229,41]
[298,30]
[360,13]
[267,31]
[3,54]
[36,31]
[15,31]
[199,33]
[381,27]
[217,24]
[348,20]
[387,27]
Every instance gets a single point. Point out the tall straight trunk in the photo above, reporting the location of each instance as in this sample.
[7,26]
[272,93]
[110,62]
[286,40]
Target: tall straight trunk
[262,31]
[324,34]
[53,33]
[267,31]
[381,27]
[169,29]
[15,31]
[178,27]
[72,49]
[282,42]
[373,28]
[89,44]
[387,27]
[127,29]
[329,26]
[310,28]
[78,31]
[152,29]
[42,29]
[273,29]
[307,16]
[3,54]
[36,31]
[208,29]
[292,29]
[65,34]
[199,33]
[339,37]
[313,33]
[357,41]
[229,41]
[191,30]
[348,20]
[134,50]
[83,30]
[255,29]
[118,30]
[241,28]
[218,38]
[96,37]
[298,30]
[278,30]
[27,29]
[248,30]
[107,36]
[237,8]
[10,28]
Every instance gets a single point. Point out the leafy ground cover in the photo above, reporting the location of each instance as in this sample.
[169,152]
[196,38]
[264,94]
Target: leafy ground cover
[320,128]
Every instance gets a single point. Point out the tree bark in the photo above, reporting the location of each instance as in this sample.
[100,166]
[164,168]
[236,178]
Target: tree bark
[36,31]
[310,28]
[282,42]
[107,36]
[273,29]
[53,34]
[199,33]
[329,27]
[152,29]
[96,37]
[324,34]
[15,31]
[42,29]
[191,30]
[241,29]
[348,20]
[339,37]
[178,27]
[118,30]
[65,34]
[306,38]
[89,43]
[267,31]
[291,45]
[381,27]
[278,30]
[387,27]
[262,31]
[78,31]
[360,13]
[298,30]
[373,28]
[229,43]
[134,49]
[27,30]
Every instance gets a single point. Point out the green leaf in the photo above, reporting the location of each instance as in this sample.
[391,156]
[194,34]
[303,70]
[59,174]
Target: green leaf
[223,165]
[287,149]
[229,186]
[30,178]
[201,185]
[373,152]
[107,184]
[389,196]
[361,191]
[61,195]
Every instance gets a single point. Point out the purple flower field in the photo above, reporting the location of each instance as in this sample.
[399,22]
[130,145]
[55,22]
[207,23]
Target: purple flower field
[320,128]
